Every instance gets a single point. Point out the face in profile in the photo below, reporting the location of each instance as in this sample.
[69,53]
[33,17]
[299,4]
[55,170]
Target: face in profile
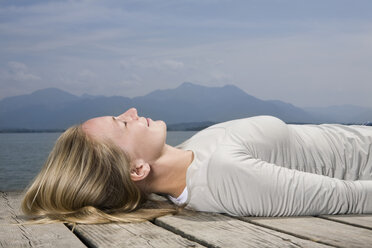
[140,137]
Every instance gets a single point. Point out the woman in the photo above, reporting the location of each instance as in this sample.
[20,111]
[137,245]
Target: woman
[104,169]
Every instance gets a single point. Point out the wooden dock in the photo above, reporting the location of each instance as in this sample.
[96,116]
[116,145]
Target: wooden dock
[188,230]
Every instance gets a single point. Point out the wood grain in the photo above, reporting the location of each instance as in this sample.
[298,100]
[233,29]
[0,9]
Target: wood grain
[143,234]
[318,229]
[215,230]
[361,220]
[188,229]
[50,235]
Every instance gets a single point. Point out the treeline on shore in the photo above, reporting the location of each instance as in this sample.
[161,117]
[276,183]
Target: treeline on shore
[193,126]
[25,130]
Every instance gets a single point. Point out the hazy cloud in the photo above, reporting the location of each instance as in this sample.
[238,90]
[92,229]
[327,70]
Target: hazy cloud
[158,64]
[88,74]
[18,72]
[303,52]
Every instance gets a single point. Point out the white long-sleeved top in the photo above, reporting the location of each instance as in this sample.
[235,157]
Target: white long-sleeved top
[261,166]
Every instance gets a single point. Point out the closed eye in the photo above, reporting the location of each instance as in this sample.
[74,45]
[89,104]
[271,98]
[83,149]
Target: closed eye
[125,123]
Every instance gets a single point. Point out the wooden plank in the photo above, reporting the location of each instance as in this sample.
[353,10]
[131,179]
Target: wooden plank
[317,229]
[144,234]
[49,235]
[215,230]
[361,220]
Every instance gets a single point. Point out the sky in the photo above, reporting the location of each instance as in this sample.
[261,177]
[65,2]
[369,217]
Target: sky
[308,53]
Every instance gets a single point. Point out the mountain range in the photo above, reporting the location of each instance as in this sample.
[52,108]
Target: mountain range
[187,106]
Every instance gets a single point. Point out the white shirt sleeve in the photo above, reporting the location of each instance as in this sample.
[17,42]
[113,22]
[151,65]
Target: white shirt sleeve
[247,186]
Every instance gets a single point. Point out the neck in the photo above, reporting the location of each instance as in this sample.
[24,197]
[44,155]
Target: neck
[168,172]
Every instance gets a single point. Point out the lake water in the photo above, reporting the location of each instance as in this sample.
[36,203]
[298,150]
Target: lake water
[23,154]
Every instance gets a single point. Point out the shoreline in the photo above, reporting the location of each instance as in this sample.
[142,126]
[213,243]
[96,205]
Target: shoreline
[171,127]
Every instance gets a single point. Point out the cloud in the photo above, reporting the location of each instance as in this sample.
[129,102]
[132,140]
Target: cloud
[219,76]
[283,50]
[150,63]
[17,71]
[129,82]
[87,74]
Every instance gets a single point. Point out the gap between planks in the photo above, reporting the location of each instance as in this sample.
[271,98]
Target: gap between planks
[325,230]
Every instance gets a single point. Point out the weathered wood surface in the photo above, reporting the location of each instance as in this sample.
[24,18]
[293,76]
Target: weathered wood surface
[216,230]
[50,235]
[361,220]
[318,229]
[139,235]
[144,234]
[189,229]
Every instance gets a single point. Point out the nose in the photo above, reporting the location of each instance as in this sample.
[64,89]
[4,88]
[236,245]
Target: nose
[130,114]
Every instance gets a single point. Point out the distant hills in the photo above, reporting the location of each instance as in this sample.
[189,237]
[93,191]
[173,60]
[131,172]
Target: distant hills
[187,107]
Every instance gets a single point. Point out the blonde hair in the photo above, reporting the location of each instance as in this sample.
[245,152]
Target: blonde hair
[86,181]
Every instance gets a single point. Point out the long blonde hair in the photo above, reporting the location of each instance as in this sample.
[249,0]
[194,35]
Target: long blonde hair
[85,181]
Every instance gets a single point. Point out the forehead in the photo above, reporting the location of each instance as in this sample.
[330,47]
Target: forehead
[98,121]
[98,125]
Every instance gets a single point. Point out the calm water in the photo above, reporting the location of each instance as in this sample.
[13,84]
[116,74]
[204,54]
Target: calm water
[23,154]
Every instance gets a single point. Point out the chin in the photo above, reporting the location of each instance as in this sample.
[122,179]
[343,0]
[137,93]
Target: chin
[165,124]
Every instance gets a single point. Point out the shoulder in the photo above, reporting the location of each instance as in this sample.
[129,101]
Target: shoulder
[258,133]
[262,121]
[262,125]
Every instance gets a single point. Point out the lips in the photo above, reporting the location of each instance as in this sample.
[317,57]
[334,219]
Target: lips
[148,122]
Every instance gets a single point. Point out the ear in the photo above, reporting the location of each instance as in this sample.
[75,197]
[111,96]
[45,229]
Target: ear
[140,170]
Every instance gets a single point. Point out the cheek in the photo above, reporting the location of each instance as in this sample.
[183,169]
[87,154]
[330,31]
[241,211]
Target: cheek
[134,142]
[122,141]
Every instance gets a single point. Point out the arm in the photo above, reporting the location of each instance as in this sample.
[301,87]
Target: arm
[247,186]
